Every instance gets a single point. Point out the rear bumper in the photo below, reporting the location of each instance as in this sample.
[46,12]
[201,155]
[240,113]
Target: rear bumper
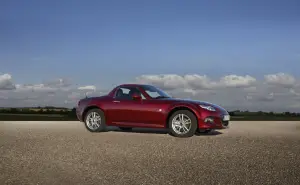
[214,122]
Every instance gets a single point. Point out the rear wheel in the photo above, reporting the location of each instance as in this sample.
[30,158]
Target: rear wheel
[95,120]
[183,123]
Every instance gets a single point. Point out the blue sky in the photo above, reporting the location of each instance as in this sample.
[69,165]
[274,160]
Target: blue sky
[98,44]
[102,42]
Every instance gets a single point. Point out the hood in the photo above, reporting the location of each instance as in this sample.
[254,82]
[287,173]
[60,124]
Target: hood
[219,108]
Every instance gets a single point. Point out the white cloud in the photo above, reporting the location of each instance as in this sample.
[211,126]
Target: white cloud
[88,87]
[6,82]
[193,92]
[74,95]
[196,82]
[273,92]
[238,81]
[250,89]
[168,81]
[60,82]
[264,98]
[34,88]
[199,82]
[231,91]
[293,92]
[280,80]
[57,92]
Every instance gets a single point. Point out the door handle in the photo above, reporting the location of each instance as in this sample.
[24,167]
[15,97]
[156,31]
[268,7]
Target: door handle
[116,101]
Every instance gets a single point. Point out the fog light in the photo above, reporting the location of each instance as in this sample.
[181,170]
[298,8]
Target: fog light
[209,120]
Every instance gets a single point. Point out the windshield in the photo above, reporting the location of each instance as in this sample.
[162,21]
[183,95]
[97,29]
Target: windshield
[155,92]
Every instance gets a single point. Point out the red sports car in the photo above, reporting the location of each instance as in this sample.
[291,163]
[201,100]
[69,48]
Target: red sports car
[137,105]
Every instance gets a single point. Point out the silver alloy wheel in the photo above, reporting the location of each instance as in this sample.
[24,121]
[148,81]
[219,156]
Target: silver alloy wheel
[93,120]
[181,124]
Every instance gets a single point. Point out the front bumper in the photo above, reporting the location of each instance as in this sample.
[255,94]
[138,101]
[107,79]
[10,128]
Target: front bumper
[214,122]
[78,114]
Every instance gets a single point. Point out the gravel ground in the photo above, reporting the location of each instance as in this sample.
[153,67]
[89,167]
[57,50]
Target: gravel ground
[66,153]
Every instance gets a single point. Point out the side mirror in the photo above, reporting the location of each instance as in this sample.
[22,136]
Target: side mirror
[136,97]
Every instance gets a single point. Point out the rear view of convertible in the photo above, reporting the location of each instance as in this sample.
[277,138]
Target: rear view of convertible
[146,106]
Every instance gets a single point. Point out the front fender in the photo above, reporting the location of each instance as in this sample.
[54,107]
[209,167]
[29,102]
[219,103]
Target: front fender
[188,106]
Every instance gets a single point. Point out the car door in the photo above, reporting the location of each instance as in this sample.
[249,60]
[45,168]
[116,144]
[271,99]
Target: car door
[153,113]
[124,109]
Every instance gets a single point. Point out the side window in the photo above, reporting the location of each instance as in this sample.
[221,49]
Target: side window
[152,94]
[143,97]
[122,93]
[126,93]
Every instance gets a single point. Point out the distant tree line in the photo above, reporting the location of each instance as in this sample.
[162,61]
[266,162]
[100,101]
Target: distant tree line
[261,113]
[39,110]
[65,114]
[72,112]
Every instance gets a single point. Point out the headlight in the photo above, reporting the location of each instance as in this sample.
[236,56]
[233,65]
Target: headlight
[207,107]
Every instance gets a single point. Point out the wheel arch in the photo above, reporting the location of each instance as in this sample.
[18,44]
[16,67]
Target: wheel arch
[90,107]
[180,107]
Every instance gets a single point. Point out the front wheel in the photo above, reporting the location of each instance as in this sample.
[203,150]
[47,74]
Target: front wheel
[183,123]
[95,120]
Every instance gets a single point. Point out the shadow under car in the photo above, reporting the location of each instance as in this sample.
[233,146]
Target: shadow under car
[158,131]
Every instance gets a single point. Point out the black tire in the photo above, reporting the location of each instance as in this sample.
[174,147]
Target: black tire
[102,125]
[125,128]
[193,128]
